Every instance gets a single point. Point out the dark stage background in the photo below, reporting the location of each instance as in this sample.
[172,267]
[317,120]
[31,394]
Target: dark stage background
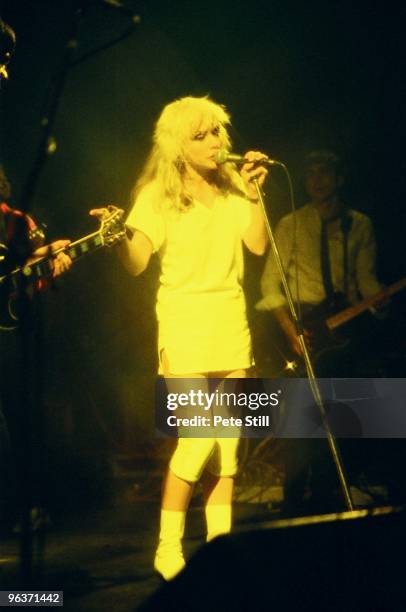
[295,75]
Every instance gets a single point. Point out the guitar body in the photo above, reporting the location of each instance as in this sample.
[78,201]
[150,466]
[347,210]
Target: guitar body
[314,321]
[274,356]
[339,340]
[8,317]
[8,314]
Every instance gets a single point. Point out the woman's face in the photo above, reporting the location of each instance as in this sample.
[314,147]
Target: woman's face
[201,148]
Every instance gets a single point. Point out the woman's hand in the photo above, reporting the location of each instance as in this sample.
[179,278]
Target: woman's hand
[103,213]
[253,170]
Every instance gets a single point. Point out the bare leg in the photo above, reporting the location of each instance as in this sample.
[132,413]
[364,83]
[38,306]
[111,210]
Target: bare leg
[218,490]
[176,494]
[218,494]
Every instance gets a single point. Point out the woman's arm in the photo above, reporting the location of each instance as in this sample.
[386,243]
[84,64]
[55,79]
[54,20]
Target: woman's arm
[135,252]
[256,237]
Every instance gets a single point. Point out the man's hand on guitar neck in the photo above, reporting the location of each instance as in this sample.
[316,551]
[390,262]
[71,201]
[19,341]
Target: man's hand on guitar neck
[287,325]
[61,262]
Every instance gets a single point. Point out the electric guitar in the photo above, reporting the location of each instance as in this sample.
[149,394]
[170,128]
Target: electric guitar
[14,282]
[323,323]
[349,313]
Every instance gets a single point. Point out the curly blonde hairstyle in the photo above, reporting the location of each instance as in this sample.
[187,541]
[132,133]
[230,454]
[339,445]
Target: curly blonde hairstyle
[179,121]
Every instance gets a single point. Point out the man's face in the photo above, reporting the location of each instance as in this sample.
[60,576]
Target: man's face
[322,182]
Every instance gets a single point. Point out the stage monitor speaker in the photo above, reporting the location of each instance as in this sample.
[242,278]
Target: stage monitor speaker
[339,562]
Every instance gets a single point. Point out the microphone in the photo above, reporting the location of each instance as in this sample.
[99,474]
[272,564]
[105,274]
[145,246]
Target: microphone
[117,4]
[223,156]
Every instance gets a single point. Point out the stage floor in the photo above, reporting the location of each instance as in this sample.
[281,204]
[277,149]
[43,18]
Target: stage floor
[101,557]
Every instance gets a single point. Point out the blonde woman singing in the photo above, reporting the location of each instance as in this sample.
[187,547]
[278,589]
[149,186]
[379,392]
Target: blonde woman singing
[196,215]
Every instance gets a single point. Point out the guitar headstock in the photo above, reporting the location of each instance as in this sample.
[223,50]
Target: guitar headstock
[112,229]
[37,237]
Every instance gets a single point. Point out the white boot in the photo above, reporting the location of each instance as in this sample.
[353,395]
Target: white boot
[218,519]
[169,559]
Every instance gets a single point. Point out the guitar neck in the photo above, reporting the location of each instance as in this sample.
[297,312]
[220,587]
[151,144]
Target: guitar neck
[349,313]
[75,250]
[84,245]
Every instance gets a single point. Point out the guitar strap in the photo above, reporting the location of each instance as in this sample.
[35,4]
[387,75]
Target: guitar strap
[325,263]
[346,223]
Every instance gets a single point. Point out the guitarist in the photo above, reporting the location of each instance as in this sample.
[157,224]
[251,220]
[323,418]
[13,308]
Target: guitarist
[21,242]
[335,251]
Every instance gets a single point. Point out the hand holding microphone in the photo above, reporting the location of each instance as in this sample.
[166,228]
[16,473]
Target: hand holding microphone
[252,167]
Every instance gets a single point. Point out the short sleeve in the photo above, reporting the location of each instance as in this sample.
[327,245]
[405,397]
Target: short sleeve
[147,217]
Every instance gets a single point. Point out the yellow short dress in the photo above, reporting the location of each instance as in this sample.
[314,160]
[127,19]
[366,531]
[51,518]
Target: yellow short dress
[201,306]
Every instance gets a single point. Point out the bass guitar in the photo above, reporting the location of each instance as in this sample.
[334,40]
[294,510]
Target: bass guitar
[323,322]
[323,325]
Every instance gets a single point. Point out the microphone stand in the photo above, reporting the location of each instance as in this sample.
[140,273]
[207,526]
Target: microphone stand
[309,366]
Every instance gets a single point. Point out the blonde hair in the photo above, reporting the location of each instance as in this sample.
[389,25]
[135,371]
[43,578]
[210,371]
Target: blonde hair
[178,122]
